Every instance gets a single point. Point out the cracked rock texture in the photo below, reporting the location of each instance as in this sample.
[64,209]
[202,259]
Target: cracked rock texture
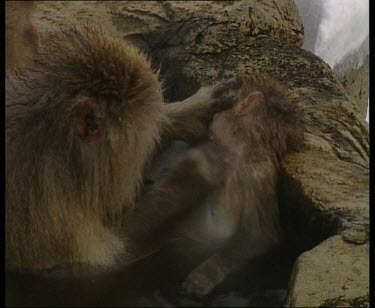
[355,79]
[341,261]
[198,43]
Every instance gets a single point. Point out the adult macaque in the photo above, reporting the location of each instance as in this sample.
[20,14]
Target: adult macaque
[239,166]
[80,128]
[21,36]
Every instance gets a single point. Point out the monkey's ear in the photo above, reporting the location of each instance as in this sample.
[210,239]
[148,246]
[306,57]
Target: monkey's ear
[91,122]
[248,103]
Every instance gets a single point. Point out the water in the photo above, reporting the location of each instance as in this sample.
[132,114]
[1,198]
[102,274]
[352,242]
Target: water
[155,282]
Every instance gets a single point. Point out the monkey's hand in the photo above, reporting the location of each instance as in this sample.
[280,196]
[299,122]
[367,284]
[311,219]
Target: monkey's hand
[212,99]
[224,94]
[203,279]
[189,120]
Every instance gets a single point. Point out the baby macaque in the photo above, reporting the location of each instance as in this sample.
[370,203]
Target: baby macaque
[80,128]
[22,38]
[241,164]
[260,129]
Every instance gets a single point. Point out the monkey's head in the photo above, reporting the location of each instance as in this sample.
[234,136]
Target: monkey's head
[92,107]
[263,115]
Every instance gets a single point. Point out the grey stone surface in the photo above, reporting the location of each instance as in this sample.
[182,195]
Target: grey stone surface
[324,276]
[355,77]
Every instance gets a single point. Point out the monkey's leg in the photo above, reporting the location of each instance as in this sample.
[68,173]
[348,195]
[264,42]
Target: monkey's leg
[209,274]
[188,120]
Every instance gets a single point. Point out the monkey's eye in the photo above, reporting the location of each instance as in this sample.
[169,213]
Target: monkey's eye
[91,123]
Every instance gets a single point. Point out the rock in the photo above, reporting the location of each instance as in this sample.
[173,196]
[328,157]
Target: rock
[353,69]
[279,20]
[355,80]
[333,274]
[357,234]
[311,16]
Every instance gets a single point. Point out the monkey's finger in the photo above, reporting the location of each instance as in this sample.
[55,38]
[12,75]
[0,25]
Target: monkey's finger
[223,103]
[235,82]
[232,83]
[197,286]
[222,87]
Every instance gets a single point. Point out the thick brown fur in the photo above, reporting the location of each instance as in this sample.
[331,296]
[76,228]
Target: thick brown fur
[22,38]
[81,124]
[238,172]
[284,129]
[63,193]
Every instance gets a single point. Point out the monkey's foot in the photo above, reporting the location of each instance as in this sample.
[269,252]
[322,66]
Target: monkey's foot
[197,284]
[205,277]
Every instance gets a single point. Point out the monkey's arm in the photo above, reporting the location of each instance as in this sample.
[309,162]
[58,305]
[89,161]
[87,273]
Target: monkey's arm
[188,120]
[171,200]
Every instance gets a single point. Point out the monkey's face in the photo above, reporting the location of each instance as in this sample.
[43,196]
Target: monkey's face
[93,107]
[98,120]
[113,141]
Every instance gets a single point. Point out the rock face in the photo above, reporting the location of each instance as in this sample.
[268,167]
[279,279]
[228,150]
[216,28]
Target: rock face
[326,184]
[311,16]
[331,266]
[278,19]
[355,79]
[352,70]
